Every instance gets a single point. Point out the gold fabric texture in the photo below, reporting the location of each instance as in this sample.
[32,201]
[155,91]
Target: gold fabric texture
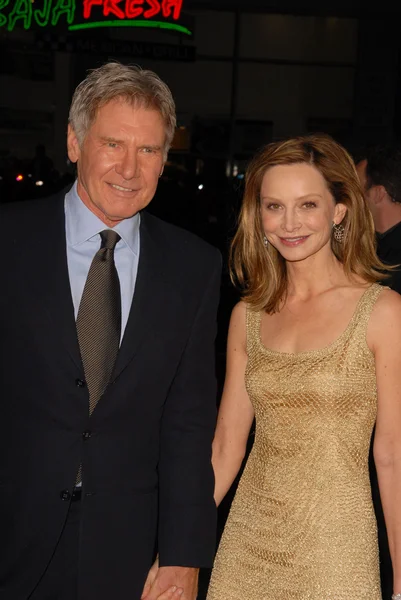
[302,524]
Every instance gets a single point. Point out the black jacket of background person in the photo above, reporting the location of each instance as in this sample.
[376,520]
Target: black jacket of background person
[389,251]
[148,480]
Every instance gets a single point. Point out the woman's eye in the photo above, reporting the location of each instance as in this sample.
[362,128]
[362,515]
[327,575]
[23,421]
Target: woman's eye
[272,206]
[310,205]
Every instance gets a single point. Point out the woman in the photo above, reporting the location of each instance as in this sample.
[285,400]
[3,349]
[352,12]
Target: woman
[314,354]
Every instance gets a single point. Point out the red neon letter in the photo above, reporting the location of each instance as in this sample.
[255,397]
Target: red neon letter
[153,10]
[88,7]
[130,9]
[110,6]
[167,5]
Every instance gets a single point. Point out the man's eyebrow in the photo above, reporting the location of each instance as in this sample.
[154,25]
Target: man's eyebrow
[153,146]
[107,138]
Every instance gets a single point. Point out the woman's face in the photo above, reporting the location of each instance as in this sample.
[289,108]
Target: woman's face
[298,210]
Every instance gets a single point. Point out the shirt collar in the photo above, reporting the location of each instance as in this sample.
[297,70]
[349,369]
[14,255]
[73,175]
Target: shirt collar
[395,227]
[82,225]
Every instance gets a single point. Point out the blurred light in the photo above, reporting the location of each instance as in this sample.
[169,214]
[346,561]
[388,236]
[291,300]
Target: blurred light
[40,182]
[200,186]
[235,170]
[19,178]
[240,176]
[29,174]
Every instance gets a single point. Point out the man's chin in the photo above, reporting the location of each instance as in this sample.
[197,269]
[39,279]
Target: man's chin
[114,217]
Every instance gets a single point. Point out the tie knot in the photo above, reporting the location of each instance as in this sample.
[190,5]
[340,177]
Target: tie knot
[109,239]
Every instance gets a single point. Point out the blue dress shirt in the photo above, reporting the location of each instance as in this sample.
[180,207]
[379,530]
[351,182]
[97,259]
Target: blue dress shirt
[83,241]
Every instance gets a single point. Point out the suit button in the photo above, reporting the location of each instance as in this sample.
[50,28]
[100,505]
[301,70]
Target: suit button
[80,383]
[86,435]
[65,495]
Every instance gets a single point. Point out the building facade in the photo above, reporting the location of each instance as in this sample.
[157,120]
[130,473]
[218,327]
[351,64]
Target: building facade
[241,78]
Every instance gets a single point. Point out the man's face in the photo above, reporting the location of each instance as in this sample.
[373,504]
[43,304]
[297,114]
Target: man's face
[119,161]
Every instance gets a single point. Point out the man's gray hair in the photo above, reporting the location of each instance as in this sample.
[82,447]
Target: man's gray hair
[114,80]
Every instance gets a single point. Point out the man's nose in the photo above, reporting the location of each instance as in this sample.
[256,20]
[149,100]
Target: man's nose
[128,165]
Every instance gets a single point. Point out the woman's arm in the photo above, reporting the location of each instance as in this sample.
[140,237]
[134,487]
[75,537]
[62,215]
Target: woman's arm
[384,338]
[236,412]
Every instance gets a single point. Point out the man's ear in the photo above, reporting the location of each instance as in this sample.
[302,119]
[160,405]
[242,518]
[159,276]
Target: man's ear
[73,149]
[382,194]
[377,194]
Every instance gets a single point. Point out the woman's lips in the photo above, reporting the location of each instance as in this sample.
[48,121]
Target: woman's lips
[294,241]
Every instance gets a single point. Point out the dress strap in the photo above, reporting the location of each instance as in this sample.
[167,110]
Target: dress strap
[367,302]
[253,320]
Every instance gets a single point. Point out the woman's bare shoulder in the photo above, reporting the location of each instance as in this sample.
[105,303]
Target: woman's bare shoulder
[385,320]
[388,304]
[237,328]
[239,311]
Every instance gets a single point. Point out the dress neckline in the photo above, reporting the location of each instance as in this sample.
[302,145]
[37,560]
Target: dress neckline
[316,351]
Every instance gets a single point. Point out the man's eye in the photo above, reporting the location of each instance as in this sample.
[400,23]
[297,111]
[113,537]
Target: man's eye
[112,144]
[310,205]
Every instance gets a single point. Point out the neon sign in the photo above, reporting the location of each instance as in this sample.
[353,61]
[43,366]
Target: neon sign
[92,14]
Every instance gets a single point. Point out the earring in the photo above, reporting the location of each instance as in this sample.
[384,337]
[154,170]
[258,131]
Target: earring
[338,232]
[265,240]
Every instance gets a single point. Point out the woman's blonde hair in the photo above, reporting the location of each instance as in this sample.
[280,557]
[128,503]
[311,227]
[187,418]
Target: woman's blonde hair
[261,271]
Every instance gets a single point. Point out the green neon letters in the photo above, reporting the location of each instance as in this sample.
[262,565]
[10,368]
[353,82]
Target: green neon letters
[66,7]
[42,17]
[25,12]
[3,18]
[22,10]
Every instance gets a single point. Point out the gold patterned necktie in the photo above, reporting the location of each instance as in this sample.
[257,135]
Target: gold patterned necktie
[99,319]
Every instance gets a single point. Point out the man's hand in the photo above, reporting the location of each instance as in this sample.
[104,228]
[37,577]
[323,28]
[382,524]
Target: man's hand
[150,578]
[171,583]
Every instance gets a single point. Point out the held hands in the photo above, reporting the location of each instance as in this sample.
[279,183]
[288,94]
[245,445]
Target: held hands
[171,583]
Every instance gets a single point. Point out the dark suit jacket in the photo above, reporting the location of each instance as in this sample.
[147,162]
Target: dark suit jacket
[147,476]
[389,251]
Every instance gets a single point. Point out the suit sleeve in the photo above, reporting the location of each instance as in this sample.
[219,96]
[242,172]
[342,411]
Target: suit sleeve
[187,511]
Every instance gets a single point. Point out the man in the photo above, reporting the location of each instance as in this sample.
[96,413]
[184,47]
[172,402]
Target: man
[107,391]
[380,176]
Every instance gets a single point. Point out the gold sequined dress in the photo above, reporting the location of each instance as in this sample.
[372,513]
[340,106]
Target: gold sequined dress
[302,524]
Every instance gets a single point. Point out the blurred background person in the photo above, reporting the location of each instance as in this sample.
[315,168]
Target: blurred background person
[380,176]
[314,353]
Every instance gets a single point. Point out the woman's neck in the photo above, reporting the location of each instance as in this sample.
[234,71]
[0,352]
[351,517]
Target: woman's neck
[314,275]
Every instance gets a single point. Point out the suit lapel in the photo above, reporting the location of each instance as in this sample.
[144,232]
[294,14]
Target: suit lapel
[146,301]
[52,280]
[52,286]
